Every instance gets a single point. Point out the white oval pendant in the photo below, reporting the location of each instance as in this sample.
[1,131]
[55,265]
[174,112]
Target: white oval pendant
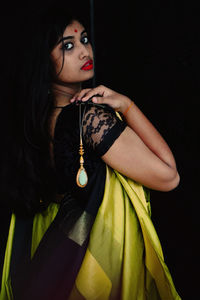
[81,177]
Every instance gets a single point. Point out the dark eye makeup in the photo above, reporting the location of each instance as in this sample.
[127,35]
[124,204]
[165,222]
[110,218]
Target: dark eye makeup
[70,45]
[85,39]
[67,46]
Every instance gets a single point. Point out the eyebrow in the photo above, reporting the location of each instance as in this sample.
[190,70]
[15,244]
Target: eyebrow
[69,37]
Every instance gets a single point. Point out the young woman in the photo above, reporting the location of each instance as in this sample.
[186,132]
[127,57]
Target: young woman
[84,159]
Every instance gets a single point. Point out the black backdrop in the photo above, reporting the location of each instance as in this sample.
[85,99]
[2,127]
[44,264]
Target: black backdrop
[148,50]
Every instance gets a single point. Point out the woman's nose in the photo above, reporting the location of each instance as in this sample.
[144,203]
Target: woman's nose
[83,52]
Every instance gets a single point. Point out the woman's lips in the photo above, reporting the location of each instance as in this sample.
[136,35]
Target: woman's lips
[88,65]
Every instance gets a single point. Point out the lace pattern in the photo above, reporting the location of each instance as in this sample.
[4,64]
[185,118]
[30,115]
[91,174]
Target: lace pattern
[97,122]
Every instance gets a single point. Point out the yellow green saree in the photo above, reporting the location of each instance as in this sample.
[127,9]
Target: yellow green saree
[124,258]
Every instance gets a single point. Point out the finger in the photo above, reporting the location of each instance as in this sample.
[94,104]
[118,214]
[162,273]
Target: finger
[106,100]
[80,95]
[101,100]
[74,97]
[95,91]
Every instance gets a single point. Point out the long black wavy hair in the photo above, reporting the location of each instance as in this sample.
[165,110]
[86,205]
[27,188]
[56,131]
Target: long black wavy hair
[28,182]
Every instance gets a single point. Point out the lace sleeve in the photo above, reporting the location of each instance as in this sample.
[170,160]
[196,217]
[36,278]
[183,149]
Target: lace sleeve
[101,127]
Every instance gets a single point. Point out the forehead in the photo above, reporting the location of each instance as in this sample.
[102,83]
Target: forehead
[74,28]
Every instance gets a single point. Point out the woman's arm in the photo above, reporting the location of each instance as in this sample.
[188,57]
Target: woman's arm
[140,152]
[149,134]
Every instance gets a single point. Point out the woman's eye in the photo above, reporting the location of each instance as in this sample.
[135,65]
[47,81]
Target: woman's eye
[85,40]
[68,46]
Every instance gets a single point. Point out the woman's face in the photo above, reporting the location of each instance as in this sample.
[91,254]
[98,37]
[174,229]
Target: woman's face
[78,55]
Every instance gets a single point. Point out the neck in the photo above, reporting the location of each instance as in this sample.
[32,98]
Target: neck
[63,94]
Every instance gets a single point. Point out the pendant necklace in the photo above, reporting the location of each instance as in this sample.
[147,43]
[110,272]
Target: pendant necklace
[81,177]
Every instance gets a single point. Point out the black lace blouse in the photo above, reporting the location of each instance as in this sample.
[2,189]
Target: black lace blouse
[101,127]
[65,247]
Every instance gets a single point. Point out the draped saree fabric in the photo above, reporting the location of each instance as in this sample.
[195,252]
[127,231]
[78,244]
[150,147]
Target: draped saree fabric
[123,260]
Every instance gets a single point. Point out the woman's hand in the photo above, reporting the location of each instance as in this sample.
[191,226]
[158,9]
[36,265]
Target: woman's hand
[117,101]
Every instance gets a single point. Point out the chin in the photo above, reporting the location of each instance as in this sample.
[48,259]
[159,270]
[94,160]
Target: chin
[88,76]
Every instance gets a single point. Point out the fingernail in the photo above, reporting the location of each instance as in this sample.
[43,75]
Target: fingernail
[94,99]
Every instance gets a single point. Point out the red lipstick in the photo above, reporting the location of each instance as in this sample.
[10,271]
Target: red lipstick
[88,65]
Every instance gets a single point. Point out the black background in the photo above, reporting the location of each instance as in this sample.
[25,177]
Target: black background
[148,50]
